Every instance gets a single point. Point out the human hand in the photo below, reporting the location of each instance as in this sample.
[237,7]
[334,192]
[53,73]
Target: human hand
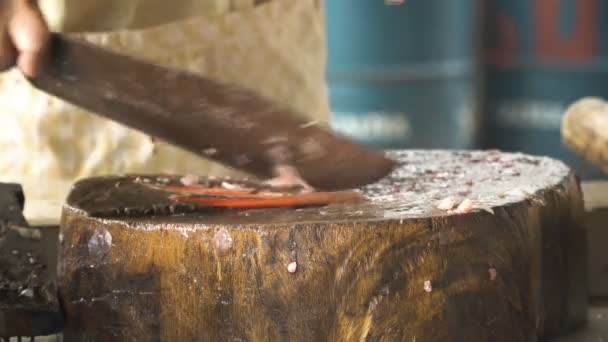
[23,36]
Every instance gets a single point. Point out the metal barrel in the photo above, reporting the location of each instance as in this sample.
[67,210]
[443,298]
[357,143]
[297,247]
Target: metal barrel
[542,55]
[404,75]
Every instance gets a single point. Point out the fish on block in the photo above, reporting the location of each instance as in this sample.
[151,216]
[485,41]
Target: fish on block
[452,246]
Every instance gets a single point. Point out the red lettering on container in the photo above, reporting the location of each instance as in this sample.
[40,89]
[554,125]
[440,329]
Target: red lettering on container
[502,42]
[581,45]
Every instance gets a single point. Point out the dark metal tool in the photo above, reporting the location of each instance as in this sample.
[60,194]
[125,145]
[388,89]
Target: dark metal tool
[29,304]
[224,122]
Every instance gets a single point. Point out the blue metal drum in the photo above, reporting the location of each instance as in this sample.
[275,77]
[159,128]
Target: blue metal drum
[403,76]
[541,56]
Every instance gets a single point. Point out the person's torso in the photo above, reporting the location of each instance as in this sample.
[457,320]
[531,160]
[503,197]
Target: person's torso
[110,15]
[276,48]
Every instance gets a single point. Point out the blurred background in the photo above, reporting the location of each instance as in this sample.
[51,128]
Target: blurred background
[465,74]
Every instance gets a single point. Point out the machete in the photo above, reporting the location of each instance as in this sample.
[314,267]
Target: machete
[224,122]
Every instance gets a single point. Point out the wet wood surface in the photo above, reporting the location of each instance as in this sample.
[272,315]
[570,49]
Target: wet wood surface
[137,266]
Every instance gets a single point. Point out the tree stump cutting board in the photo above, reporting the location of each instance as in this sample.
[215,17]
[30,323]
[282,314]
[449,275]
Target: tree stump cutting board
[401,266]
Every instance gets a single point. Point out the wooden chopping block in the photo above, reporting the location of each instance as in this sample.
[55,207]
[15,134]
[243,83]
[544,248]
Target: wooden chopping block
[506,263]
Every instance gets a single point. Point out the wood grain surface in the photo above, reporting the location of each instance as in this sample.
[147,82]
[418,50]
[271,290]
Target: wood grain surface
[137,267]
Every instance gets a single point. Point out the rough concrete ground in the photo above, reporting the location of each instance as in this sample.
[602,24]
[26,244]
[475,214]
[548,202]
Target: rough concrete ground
[595,331]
